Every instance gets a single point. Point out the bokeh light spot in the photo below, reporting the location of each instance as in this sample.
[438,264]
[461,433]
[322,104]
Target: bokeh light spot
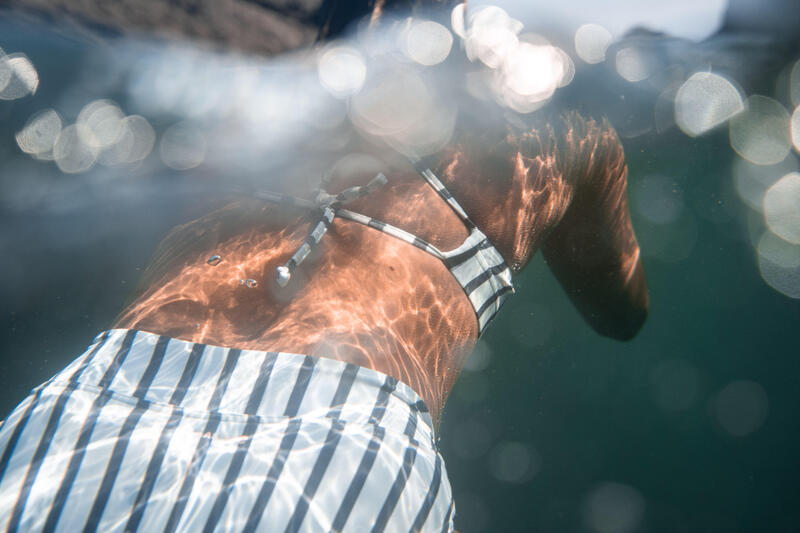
[705,101]
[779,252]
[135,142]
[103,120]
[18,76]
[794,84]
[658,199]
[613,508]
[457,20]
[535,70]
[71,153]
[632,64]
[182,146]
[777,264]
[795,125]
[530,75]
[760,134]
[752,181]
[402,109]
[5,71]
[741,407]
[40,132]
[428,43]
[341,71]
[782,207]
[591,43]
[392,104]
[492,35]
[513,462]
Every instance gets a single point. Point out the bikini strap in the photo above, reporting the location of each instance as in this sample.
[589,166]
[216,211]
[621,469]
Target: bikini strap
[476,264]
[441,190]
[328,206]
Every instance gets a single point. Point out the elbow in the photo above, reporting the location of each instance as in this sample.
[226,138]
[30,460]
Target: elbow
[624,328]
[624,320]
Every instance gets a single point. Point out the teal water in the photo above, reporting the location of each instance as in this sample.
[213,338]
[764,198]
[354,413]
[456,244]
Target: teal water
[690,427]
[596,411]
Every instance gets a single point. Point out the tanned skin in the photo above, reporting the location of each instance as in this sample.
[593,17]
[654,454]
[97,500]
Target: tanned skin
[367,298]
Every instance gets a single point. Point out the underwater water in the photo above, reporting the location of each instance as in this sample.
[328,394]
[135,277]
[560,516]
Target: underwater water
[689,427]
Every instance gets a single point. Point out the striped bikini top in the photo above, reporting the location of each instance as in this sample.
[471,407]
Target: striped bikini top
[476,264]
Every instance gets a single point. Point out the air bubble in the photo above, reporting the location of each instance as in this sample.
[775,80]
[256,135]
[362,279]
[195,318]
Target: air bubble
[214,260]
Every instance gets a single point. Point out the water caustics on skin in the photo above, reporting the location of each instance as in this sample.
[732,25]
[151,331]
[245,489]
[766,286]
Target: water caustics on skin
[284,123]
[223,289]
[422,335]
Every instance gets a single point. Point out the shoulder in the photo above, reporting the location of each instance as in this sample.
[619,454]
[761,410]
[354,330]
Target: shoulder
[590,151]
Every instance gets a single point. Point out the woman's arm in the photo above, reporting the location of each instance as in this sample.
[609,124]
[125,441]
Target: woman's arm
[593,251]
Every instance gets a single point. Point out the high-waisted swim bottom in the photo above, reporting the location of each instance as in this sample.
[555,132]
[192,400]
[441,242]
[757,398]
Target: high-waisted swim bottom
[144,432]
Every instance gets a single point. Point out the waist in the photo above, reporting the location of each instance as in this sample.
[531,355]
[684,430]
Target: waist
[268,386]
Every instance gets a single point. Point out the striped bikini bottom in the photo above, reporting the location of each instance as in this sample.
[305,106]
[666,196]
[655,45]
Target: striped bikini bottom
[143,432]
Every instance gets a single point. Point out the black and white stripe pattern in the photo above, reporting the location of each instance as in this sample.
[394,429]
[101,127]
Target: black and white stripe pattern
[483,273]
[476,264]
[326,204]
[285,271]
[148,433]
[394,231]
[440,189]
